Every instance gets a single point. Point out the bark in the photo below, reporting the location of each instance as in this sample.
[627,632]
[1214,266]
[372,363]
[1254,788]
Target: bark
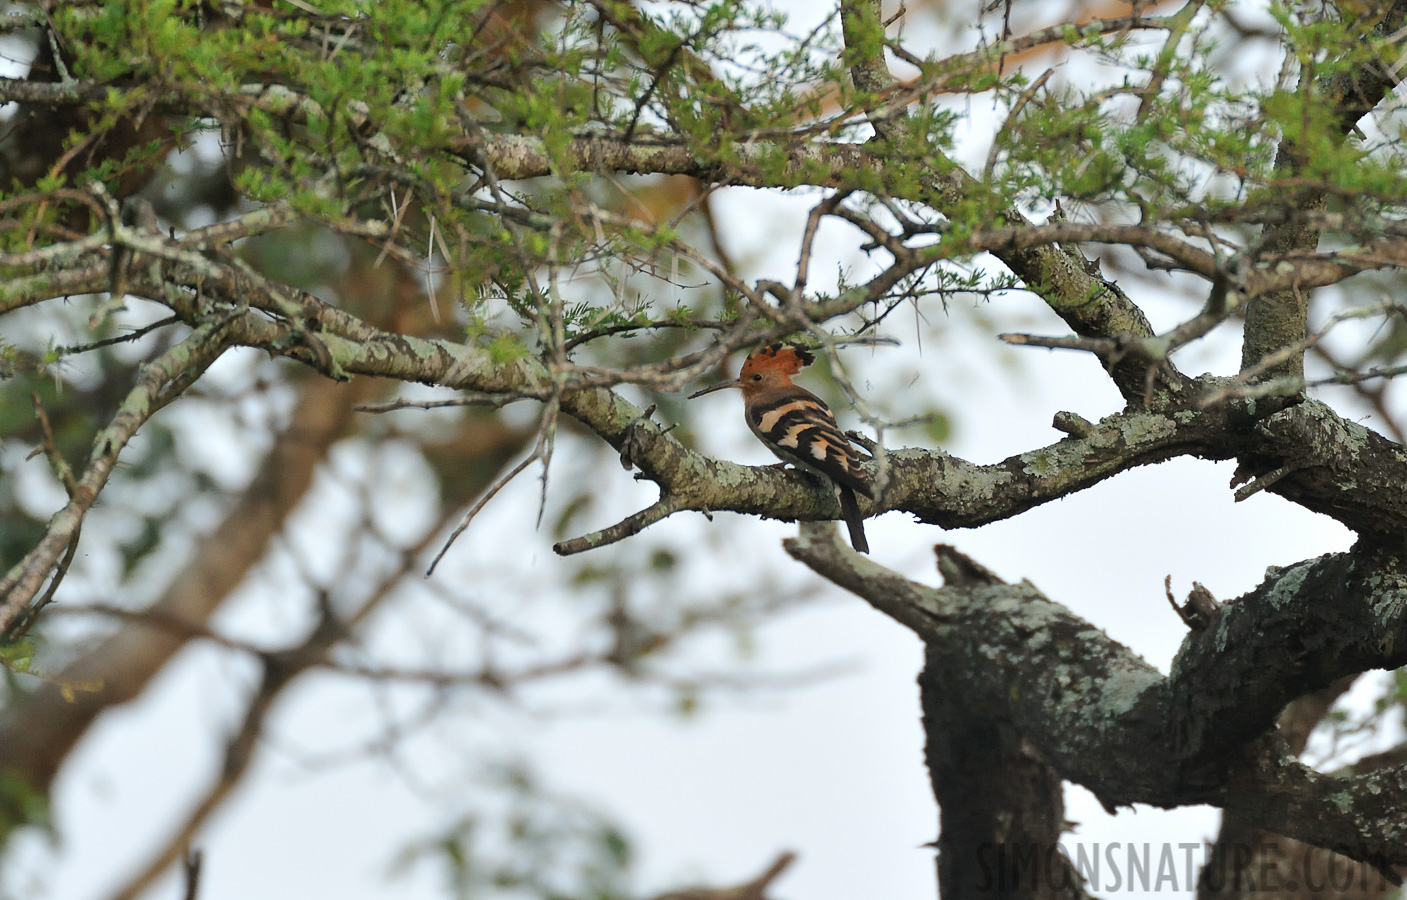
[1103,718]
[1002,807]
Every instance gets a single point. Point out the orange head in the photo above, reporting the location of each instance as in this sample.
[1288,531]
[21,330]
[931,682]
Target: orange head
[767,368]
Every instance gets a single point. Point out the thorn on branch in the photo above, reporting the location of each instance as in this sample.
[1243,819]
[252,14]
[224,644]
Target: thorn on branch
[1199,610]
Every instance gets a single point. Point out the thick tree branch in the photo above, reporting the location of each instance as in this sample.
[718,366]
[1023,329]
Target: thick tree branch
[1107,720]
[1299,631]
[1002,806]
[1358,816]
[1314,467]
[935,487]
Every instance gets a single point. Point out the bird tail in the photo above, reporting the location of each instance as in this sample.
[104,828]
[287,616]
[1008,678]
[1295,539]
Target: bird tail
[853,520]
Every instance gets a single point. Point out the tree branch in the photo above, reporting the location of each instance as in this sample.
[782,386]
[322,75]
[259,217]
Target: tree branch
[627,527]
[1278,319]
[279,671]
[39,728]
[190,357]
[1105,719]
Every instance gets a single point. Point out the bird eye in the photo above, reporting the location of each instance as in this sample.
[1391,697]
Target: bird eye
[757,377]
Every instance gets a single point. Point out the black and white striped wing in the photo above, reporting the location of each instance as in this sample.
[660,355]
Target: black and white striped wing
[800,429]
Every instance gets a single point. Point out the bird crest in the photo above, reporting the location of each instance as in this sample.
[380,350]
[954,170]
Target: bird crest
[787,357]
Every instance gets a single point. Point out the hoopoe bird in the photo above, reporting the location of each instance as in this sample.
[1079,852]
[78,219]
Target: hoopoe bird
[799,428]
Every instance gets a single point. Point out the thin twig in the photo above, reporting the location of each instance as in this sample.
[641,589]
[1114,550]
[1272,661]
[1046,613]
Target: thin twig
[1022,101]
[541,451]
[808,239]
[138,334]
[1097,345]
[494,401]
[1244,385]
[666,506]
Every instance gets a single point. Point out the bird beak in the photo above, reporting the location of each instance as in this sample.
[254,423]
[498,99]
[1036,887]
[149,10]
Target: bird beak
[735,383]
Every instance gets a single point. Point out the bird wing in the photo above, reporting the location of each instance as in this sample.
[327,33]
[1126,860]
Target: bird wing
[799,428]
